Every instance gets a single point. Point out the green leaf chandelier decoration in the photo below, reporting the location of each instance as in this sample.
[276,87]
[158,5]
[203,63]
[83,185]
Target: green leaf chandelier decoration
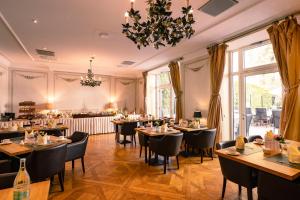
[160,29]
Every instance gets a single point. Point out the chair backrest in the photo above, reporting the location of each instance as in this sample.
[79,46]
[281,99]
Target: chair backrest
[141,139]
[248,122]
[78,136]
[5,166]
[55,132]
[253,137]
[11,134]
[78,146]
[238,173]
[261,113]
[276,117]
[128,128]
[169,145]
[45,163]
[248,111]
[7,180]
[225,144]
[203,139]
[229,143]
[280,187]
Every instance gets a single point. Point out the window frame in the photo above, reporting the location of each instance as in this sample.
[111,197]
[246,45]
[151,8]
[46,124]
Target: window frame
[242,73]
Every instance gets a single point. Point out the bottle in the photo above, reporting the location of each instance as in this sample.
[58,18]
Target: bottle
[22,183]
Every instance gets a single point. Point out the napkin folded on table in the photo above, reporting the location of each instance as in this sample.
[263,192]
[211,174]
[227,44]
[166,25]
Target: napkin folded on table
[293,154]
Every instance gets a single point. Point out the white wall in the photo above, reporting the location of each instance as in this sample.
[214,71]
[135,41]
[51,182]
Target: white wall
[65,92]
[196,87]
[3,89]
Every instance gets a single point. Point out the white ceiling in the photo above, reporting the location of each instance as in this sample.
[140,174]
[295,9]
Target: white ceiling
[71,27]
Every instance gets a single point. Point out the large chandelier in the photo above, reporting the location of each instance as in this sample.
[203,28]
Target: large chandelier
[160,29]
[89,79]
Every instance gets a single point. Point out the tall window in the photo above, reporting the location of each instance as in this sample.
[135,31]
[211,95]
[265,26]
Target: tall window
[160,94]
[256,94]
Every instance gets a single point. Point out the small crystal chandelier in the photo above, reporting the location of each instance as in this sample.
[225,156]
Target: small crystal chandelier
[89,80]
[160,28]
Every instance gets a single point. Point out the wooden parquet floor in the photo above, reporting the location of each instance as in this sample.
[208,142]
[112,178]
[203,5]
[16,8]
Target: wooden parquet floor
[117,173]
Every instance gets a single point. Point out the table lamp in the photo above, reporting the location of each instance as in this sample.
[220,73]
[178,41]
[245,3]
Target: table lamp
[197,115]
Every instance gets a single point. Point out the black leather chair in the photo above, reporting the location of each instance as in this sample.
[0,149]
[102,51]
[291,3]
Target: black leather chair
[238,173]
[143,143]
[11,134]
[261,115]
[46,163]
[272,187]
[229,143]
[7,177]
[7,180]
[128,129]
[276,118]
[168,145]
[203,140]
[54,132]
[252,138]
[77,148]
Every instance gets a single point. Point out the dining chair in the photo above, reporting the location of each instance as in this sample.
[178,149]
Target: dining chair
[229,143]
[76,149]
[252,138]
[235,172]
[203,140]
[128,129]
[54,132]
[7,176]
[276,118]
[166,146]
[261,115]
[271,187]
[46,163]
[143,143]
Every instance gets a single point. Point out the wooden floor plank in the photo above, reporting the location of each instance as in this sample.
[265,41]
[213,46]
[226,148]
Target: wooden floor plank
[117,173]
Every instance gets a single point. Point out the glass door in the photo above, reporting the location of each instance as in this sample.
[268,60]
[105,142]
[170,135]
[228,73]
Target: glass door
[263,103]
[256,94]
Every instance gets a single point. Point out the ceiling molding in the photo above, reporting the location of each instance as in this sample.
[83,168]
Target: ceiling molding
[13,33]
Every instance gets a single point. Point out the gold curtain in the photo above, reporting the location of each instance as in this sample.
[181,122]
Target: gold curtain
[217,65]
[285,38]
[145,91]
[175,78]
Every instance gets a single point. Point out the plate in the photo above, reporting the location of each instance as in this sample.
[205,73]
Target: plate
[5,143]
[233,153]
[258,143]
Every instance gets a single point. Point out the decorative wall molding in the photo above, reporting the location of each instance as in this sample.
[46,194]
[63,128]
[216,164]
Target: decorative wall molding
[29,77]
[126,82]
[67,79]
[196,69]
[1,73]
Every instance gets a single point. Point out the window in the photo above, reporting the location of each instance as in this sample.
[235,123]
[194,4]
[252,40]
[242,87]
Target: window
[257,56]
[160,94]
[256,90]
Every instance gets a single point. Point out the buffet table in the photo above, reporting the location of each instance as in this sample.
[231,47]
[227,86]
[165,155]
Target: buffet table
[92,125]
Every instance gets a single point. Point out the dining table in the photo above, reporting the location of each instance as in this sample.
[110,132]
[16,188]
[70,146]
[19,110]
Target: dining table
[189,129]
[152,132]
[9,133]
[253,156]
[120,122]
[18,146]
[38,191]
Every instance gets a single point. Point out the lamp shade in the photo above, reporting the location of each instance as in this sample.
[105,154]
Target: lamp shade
[197,114]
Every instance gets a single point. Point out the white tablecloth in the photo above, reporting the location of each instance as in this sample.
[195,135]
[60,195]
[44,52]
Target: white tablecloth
[93,125]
